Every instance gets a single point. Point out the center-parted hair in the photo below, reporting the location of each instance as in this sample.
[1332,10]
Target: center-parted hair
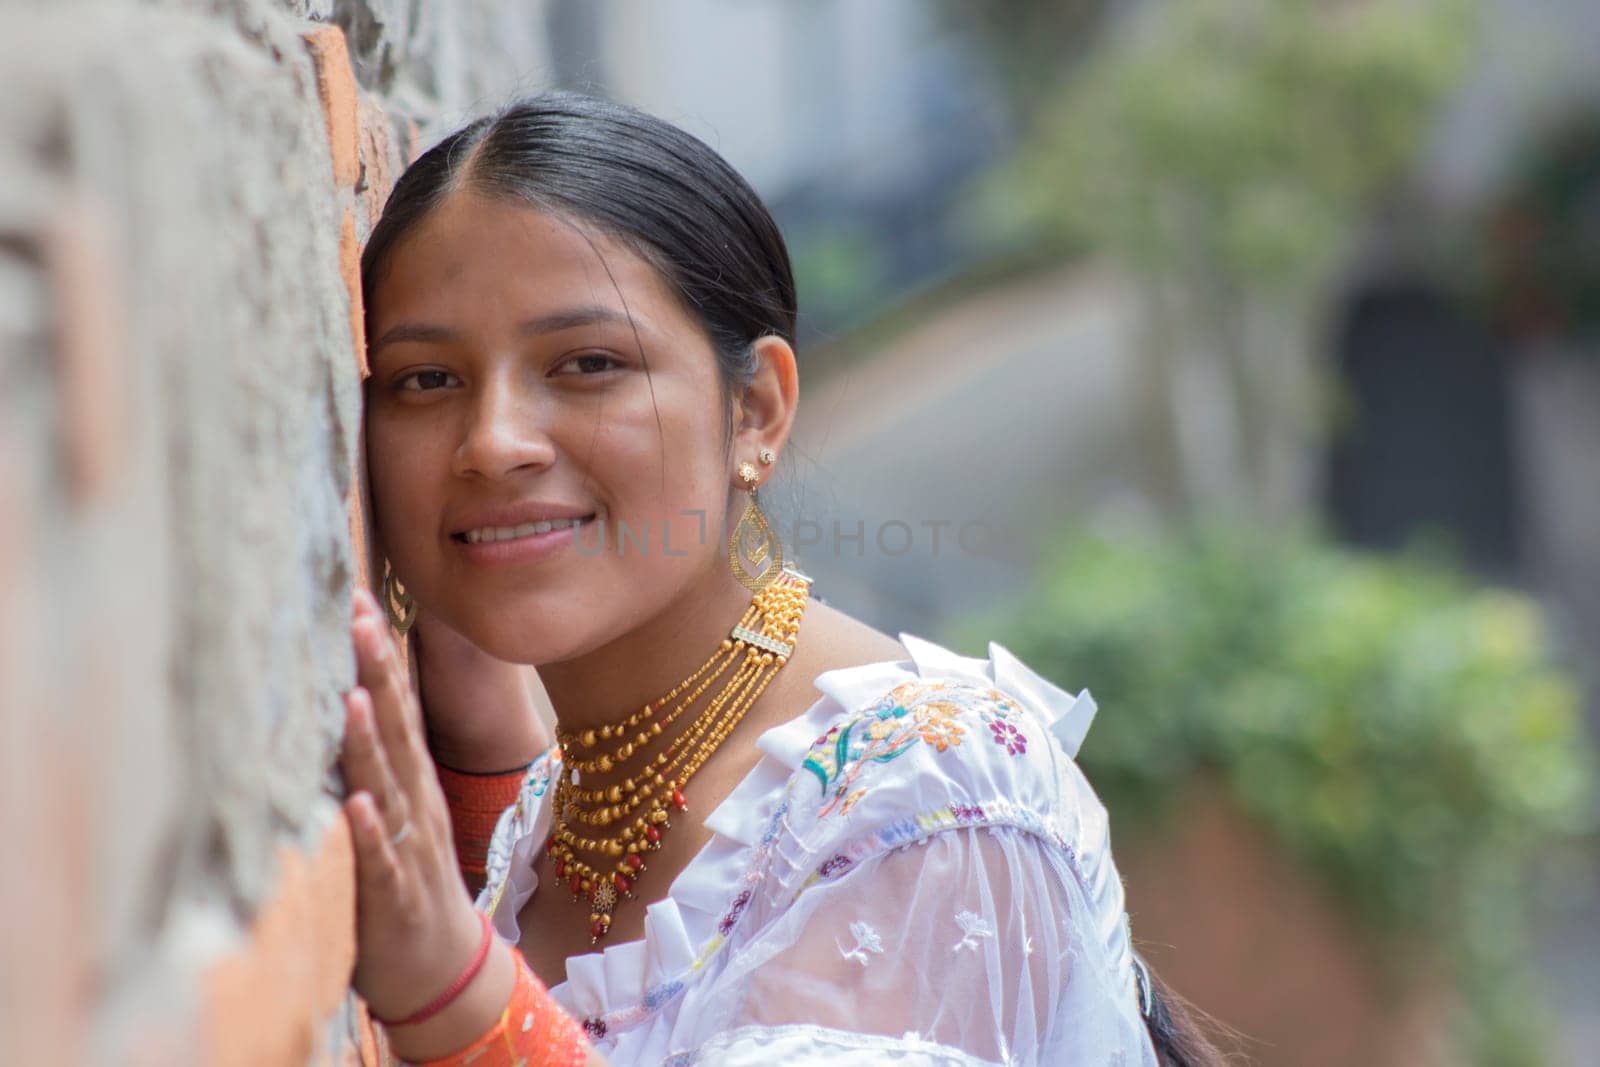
[671,199]
[656,188]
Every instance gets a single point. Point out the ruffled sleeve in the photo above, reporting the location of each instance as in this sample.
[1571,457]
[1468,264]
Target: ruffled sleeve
[972,946]
[945,894]
[916,871]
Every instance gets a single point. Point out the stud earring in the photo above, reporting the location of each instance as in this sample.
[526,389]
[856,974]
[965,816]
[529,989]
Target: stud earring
[766,456]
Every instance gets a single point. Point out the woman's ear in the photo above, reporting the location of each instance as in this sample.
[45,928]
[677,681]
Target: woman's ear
[765,411]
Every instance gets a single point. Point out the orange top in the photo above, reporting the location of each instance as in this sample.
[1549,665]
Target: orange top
[476,801]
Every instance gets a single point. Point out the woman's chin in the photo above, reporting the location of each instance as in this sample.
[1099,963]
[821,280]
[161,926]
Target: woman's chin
[533,648]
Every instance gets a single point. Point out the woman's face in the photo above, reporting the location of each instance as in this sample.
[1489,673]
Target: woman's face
[508,354]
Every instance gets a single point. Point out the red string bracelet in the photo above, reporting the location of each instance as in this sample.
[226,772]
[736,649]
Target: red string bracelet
[440,1002]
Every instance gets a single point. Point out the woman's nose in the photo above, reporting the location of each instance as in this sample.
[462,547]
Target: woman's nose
[506,433]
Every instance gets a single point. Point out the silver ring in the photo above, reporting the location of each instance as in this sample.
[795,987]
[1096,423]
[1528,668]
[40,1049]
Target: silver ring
[400,835]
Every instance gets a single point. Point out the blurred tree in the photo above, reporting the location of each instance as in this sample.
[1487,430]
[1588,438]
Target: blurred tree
[1226,152]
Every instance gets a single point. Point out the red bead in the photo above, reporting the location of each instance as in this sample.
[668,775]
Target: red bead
[652,835]
[635,861]
[561,868]
[678,799]
[598,929]
[576,883]
[621,882]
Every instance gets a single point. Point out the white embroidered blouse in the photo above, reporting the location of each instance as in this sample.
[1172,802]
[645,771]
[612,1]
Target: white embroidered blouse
[915,872]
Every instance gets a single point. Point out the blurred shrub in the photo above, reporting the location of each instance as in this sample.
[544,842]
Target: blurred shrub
[1404,734]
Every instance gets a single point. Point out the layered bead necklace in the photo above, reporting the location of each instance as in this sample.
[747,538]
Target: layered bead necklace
[602,869]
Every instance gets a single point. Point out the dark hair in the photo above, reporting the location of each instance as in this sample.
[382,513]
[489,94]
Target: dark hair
[1173,1024]
[645,182]
[678,204]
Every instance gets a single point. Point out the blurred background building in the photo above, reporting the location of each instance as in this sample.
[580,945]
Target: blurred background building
[1238,360]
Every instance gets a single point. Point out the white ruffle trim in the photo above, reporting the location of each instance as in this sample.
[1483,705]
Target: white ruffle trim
[644,974]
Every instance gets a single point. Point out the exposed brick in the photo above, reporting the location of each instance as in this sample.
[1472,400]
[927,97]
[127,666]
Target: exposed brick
[336,84]
[267,1002]
[359,550]
[50,837]
[413,141]
[89,368]
[350,269]
[378,158]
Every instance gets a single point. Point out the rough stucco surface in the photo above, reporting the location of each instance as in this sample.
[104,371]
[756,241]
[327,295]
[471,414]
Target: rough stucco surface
[178,440]
[442,62]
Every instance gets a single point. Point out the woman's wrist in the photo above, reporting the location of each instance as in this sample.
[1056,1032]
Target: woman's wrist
[532,1030]
[477,1009]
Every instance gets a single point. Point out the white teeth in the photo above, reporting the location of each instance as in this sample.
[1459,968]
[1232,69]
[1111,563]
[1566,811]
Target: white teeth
[509,533]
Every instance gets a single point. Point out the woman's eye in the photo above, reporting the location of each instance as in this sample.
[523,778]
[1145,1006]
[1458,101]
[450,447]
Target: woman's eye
[424,381]
[589,364]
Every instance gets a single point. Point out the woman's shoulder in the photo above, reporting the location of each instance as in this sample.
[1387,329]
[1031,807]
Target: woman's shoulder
[933,737]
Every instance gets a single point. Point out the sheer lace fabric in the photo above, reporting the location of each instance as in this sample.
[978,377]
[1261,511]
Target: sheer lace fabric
[917,872]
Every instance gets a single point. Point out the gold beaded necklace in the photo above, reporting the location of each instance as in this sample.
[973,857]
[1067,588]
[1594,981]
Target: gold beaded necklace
[760,644]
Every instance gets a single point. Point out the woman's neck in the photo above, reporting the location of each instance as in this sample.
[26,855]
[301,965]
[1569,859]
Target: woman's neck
[611,682]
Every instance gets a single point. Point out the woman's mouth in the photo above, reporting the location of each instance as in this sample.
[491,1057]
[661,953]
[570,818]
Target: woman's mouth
[493,534]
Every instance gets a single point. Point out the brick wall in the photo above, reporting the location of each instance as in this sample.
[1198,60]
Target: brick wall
[184,189]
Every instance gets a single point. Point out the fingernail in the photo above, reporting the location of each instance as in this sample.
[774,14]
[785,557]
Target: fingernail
[366,632]
[366,809]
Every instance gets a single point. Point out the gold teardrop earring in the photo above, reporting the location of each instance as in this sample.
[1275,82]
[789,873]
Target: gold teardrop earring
[397,603]
[755,536]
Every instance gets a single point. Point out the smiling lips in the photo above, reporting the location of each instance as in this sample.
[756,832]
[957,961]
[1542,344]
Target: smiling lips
[486,534]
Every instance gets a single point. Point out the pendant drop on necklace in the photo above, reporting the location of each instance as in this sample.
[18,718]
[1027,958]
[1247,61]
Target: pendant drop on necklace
[650,788]
[604,898]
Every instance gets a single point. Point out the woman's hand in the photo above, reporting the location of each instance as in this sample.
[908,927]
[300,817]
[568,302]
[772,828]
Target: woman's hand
[416,927]
[483,714]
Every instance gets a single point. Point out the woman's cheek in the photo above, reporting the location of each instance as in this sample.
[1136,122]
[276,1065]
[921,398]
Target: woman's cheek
[401,481]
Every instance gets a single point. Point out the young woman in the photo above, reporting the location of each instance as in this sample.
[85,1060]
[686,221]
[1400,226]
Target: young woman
[766,831]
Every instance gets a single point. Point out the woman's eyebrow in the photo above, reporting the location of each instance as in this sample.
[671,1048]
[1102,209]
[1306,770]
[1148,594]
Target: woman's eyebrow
[552,322]
[421,332]
[570,318]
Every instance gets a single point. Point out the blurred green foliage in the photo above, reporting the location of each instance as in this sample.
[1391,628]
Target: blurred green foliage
[1407,736]
[1241,136]
[838,271]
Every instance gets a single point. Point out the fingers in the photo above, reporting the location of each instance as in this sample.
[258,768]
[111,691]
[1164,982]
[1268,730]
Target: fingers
[366,767]
[379,671]
[377,866]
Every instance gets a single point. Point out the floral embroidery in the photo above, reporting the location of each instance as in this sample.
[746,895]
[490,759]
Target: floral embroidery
[867,940]
[973,926]
[539,773]
[1009,738]
[915,712]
